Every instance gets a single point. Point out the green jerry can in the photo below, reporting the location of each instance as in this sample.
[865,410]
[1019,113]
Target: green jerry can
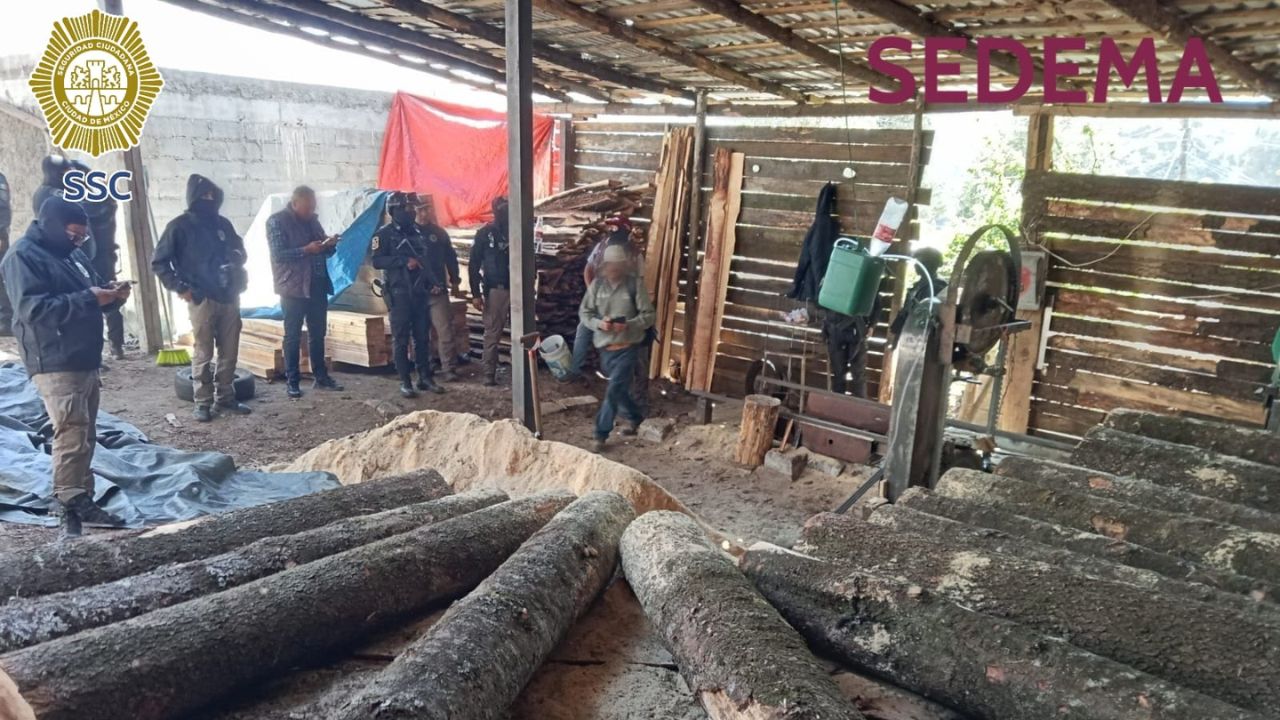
[852,279]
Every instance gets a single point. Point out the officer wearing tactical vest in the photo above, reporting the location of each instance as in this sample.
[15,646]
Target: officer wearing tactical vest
[489,271]
[400,252]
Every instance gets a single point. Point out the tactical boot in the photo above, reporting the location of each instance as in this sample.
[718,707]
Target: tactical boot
[117,351]
[292,390]
[68,521]
[407,391]
[324,382]
[202,414]
[236,407]
[85,510]
[427,384]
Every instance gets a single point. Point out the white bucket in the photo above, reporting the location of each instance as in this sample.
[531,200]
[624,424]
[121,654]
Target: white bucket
[555,353]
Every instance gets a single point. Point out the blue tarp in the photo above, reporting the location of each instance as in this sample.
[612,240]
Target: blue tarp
[344,265]
[143,483]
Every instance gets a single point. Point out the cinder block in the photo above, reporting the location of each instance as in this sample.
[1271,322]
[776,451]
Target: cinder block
[788,462]
[825,464]
[657,429]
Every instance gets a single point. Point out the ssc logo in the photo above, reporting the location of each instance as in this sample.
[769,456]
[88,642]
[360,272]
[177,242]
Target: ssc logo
[95,83]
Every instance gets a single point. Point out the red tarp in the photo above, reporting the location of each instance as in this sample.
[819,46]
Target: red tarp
[457,154]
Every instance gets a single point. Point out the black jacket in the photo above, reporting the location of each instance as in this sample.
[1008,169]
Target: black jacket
[200,250]
[6,209]
[393,246]
[490,264]
[57,320]
[815,253]
[102,215]
[442,258]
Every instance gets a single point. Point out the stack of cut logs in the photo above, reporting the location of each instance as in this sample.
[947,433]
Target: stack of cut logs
[1140,590]
[1139,583]
[572,223]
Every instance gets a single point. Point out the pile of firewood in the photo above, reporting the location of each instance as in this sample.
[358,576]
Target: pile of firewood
[571,223]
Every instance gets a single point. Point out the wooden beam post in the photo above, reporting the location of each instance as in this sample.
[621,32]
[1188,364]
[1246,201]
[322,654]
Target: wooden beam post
[519,17]
[665,48]
[734,11]
[1172,26]
[460,23]
[1024,347]
[695,229]
[141,239]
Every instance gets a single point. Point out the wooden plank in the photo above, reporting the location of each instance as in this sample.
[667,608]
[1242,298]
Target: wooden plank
[1106,393]
[868,173]
[723,209]
[862,136]
[604,158]
[617,142]
[1170,315]
[1020,368]
[1160,287]
[1166,234]
[1243,199]
[1136,223]
[583,175]
[1063,366]
[830,152]
[1218,347]
[1106,254]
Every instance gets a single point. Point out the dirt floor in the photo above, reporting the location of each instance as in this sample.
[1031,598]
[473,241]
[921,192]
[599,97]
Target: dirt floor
[693,464]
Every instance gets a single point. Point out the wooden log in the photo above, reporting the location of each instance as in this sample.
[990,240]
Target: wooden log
[1208,647]
[473,663]
[27,621]
[64,566]
[755,435]
[167,663]
[983,666]
[1138,492]
[738,655]
[980,514]
[1215,545]
[824,533]
[1250,444]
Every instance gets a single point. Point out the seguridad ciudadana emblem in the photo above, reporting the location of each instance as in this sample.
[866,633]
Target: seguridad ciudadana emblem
[95,83]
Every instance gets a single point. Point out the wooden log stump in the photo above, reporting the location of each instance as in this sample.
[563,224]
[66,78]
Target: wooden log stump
[475,661]
[738,655]
[1207,647]
[983,666]
[824,538]
[1215,545]
[1004,519]
[169,662]
[1260,446]
[1203,472]
[27,621]
[755,436]
[1139,492]
[64,566]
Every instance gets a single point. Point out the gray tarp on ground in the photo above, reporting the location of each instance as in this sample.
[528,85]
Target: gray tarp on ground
[136,480]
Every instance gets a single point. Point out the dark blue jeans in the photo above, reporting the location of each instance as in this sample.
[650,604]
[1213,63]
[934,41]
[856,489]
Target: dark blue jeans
[620,365]
[581,346]
[315,312]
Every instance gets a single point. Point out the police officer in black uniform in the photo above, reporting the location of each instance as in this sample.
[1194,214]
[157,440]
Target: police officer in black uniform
[400,252]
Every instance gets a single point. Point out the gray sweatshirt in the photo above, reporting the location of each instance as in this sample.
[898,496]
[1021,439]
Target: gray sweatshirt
[628,299]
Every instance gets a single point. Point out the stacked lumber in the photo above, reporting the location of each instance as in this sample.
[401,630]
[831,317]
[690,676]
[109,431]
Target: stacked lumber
[358,339]
[699,360]
[262,349]
[1143,589]
[571,223]
[667,232]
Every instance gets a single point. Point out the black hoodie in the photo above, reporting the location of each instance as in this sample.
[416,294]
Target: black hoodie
[102,214]
[200,250]
[57,320]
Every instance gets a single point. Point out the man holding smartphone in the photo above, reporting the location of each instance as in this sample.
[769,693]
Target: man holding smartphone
[59,302]
[299,265]
[617,310]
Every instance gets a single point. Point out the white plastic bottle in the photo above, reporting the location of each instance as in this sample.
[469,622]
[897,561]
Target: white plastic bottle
[894,212]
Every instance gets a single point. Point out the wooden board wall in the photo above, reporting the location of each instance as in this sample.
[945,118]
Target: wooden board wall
[785,169]
[1166,296]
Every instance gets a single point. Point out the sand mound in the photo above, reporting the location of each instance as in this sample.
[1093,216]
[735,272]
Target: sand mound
[471,452]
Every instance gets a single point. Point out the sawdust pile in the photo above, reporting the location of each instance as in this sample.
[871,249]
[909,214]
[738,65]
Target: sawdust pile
[471,452]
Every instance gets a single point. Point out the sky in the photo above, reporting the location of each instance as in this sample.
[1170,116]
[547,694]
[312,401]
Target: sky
[187,40]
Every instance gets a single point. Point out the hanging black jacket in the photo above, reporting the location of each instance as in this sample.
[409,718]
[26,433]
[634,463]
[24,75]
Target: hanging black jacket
[57,319]
[200,250]
[815,253]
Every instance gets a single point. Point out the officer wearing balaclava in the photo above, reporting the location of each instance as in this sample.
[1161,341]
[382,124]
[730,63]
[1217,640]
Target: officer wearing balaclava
[400,252]
[489,271]
[58,302]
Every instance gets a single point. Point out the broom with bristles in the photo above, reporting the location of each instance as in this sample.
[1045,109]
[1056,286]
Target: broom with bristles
[170,356]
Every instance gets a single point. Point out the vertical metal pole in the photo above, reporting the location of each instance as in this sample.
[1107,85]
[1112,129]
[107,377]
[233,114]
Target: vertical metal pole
[695,228]
[519,18]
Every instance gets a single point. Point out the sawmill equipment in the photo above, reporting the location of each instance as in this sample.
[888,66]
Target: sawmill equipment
[942,339]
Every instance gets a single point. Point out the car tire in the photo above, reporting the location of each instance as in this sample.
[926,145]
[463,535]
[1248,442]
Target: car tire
[244,384]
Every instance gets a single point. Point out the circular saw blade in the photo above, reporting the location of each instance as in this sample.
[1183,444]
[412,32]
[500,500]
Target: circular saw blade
[990,281]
